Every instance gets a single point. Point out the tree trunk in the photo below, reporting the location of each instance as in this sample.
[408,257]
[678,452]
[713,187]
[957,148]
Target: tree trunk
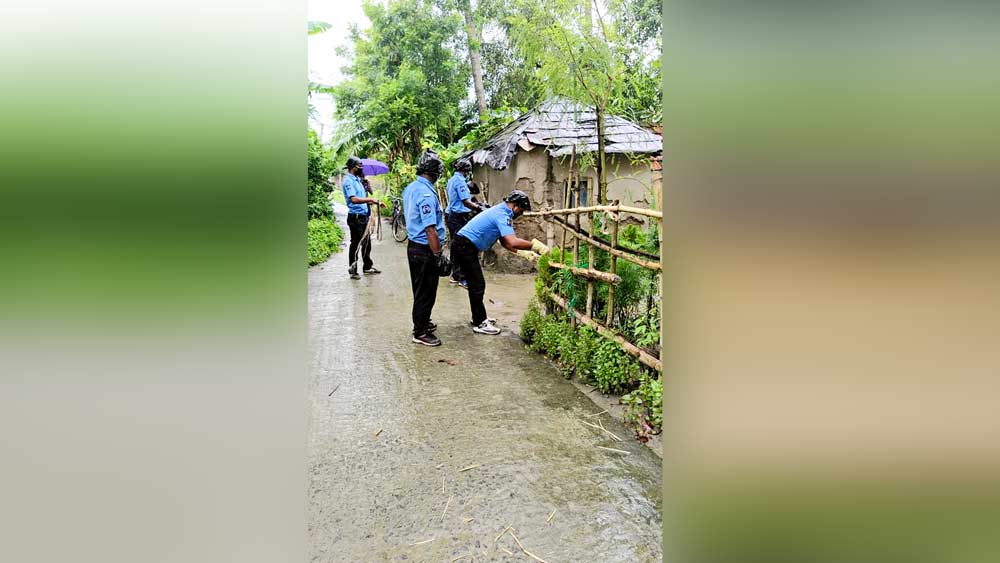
[474,57]
[602,178]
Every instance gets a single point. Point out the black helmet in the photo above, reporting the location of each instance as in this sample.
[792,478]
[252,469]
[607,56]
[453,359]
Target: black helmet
[352,163]
[520,199]
[463,165]
[430,164]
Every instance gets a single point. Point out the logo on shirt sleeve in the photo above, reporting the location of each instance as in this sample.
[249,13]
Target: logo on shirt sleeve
[425,208]
[510,222]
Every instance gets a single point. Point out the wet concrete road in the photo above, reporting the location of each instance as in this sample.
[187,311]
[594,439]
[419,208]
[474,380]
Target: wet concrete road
[427,454]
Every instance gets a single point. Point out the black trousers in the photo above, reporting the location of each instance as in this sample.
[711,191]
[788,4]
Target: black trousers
[424,282]
[467,256]
[455,222]
[357,225]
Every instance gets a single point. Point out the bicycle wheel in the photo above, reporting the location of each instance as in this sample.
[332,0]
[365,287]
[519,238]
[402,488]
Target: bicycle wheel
[399,229]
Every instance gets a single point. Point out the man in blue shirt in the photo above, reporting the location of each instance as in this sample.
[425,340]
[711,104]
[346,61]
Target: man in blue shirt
[460,208]
[425,231]
[479,235]
[357,201]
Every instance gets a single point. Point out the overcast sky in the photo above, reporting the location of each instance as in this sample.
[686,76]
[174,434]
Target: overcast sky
[324,64]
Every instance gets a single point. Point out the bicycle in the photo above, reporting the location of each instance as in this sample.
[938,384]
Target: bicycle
[398,220]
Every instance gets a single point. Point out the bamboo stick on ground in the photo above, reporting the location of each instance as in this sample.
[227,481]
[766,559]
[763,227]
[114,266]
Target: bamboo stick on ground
[526,552]
[496,539]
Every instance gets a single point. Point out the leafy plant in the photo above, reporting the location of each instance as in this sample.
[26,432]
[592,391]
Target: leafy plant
[319,168]
[644,408]
[324,237]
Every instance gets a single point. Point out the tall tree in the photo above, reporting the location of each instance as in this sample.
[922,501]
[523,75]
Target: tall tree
[578,53]
[406,79]
[475,48]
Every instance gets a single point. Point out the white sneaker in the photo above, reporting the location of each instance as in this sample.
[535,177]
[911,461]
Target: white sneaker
[487,327]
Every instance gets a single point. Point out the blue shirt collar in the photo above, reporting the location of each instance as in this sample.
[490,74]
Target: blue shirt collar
[426,182]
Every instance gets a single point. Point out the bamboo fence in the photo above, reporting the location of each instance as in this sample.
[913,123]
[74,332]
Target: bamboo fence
[569,221]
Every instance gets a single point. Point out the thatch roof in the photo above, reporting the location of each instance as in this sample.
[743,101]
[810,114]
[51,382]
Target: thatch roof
[558,125]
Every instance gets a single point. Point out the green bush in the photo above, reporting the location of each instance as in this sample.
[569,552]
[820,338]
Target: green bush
[582,352]
[324,238]
[614,371]
[319,167]
[644,407]
[530,322]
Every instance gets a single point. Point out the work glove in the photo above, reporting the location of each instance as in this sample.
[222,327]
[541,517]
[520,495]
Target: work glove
[538,246]
[527,255]
[443,265]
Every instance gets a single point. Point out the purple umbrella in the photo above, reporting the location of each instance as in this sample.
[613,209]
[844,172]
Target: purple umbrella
[373,167]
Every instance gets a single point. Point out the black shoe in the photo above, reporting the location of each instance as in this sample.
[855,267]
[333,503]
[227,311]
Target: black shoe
[355,276]
[427,339]
[372,270]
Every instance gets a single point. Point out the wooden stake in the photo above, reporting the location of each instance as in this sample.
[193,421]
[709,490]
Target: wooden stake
[468,468]
[613,271]
[614,450]
[549,519]
[590,251]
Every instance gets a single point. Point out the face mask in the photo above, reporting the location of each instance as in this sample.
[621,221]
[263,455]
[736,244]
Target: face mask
[517,211]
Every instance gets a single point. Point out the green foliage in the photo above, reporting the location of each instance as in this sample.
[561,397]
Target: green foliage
[644,407]
[613,370]
[319,168]
[324,237]
[406,79]
[316,27]
[530,322]
[645,330]
[582,352]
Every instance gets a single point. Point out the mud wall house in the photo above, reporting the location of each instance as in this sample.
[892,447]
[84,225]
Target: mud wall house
[533,154]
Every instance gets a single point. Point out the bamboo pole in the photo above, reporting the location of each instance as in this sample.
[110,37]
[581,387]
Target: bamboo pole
[576,241]
[632,251]
[649,265]
[590,254]
[588,273]
[565,201]
[640,354]
[613,270]
[612,208]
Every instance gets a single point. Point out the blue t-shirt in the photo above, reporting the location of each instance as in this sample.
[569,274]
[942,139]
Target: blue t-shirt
[484,229]
[458,189]
[352,187]
[422,209]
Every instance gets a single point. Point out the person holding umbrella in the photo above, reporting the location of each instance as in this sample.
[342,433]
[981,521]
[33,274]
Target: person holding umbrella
[358,213]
